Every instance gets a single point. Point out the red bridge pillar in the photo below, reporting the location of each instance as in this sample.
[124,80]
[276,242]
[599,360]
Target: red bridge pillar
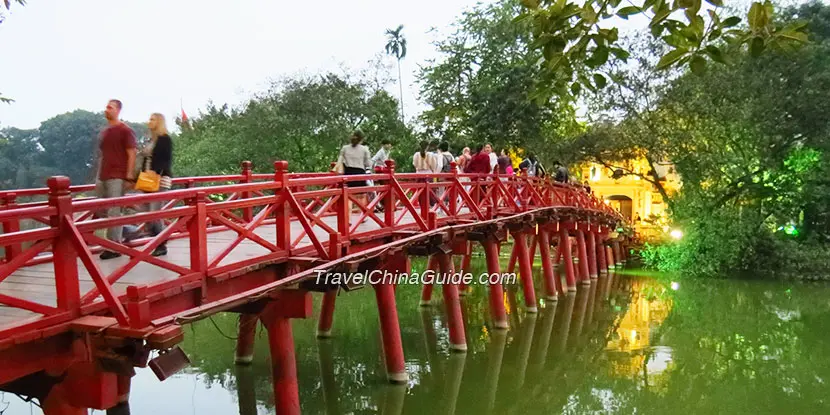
[600,253]
[389,325]
[276,319]
[583,258]
[455,321]
[329,297]
[592,253]
[245,340]
[525,269]
[547,265]
[565,246]
[491,251]
[426,290]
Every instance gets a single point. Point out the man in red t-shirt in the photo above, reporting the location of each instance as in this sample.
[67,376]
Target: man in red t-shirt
[116,166]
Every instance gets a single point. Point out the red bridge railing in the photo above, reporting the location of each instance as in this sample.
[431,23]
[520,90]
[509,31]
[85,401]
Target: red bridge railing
[283,214]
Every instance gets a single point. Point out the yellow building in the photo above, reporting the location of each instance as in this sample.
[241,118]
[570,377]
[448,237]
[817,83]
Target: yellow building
[637,199]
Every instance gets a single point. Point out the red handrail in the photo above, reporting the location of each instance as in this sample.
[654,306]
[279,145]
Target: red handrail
[411,201]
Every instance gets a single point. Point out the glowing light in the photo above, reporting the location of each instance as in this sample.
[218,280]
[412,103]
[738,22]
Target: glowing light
[676,234]
[675,285]
[633,335]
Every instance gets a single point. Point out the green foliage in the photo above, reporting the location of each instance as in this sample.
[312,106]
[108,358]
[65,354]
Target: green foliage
[482,87]
[575,40]
[749,140]
[65,144]
[303,120]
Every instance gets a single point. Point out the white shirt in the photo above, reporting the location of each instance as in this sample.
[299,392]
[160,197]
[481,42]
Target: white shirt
[379,160]
[494,159]
[438,163]
[422,164]
[356,157]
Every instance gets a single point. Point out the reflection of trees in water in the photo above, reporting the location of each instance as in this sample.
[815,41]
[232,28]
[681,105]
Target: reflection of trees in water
[710,346]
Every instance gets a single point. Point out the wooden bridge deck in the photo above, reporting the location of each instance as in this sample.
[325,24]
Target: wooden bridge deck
[37,282]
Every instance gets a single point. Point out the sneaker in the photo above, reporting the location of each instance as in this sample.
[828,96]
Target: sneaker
[159,251]
[109,255]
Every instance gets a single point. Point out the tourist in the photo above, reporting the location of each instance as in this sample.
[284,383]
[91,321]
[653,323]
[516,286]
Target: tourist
[561,174]
[422,161]
[158,156]
[379,160]
[505,165]
[531,164]
[356,160]
[587,187]
[463,159]
[116,166]
[493,159]
[435,154]
[447,157]
[480,162]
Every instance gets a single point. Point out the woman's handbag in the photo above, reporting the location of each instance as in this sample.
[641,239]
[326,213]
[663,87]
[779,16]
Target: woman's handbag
[148,181]
[339,168]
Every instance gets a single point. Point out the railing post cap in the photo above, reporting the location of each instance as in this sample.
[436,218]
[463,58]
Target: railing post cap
[281,165]
[390,163]
[58,183]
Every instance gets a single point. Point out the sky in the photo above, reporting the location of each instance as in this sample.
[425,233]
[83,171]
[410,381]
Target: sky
[155,54]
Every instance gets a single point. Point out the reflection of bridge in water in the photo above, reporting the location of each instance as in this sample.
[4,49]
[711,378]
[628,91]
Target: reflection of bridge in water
[539,363]
[72,327]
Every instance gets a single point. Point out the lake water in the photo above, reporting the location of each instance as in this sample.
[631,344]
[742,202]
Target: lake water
[634,342]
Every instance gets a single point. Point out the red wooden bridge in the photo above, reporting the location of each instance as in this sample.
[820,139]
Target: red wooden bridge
[74,327]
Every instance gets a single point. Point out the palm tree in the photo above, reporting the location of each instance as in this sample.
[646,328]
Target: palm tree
[396,46]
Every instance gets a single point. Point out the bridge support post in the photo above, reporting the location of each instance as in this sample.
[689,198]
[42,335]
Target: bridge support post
[592,254]
[465,268]
[245,340]
[10,225]
[583,257]
[547,266]
[609,255]
[525,269]
[329,297]
[389,325]
[426,289]
[565,246]
[326,314]
[618,260]
[600,253]
[455,321]
[491,251]
[276,319]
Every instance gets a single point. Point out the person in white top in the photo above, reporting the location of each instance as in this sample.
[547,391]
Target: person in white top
[494,159]
[356,160]
[379,160]
[438,159]
[422,161]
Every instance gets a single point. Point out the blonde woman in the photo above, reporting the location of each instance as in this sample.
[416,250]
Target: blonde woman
[158,156]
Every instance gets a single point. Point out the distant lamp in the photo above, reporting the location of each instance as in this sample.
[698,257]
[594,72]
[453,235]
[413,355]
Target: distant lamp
[676,234]
[675,285]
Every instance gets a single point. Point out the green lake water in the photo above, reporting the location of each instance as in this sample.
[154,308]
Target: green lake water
[633,342]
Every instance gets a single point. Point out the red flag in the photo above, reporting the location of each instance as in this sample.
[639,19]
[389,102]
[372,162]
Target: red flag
[184,116]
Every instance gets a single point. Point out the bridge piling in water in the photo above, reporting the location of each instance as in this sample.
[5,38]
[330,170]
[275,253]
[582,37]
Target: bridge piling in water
[245,339]
[584,278]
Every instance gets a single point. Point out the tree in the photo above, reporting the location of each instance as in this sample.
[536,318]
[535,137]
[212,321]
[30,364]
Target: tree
[8,5]
[575,42]
[396,46]
[304,120]
[482,87]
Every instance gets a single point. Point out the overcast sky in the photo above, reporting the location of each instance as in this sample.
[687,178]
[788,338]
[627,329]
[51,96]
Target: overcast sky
[61,55]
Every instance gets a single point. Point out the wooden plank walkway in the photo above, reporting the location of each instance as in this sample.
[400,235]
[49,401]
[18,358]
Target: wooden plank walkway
[37,282]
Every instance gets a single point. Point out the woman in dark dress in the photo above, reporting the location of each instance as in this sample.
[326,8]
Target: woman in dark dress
[158,157]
